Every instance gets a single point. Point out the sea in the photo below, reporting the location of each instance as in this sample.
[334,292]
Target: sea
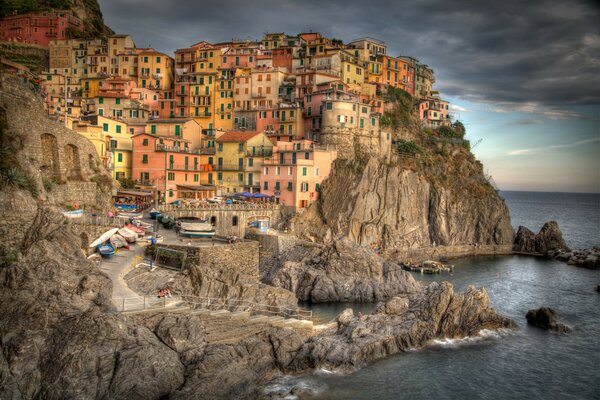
[528,363]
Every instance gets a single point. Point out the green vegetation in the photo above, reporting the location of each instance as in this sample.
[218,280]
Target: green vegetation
[127,183]
[403,108]
[49,184]
[8,7]
[406,147]
[456,130]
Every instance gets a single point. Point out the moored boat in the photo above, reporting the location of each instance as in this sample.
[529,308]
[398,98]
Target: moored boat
[129,235]
[137,229]
[73,213]
[129,215]
[154,214]
[104,237]
[197,229]
[106,250]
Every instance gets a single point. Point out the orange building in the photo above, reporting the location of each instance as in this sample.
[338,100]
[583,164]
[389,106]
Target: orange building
[295,172]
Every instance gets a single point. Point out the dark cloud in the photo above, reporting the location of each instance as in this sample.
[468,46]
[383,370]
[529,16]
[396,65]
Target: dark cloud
[540,52]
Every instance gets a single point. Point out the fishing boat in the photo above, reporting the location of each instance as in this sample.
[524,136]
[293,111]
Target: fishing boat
[130,215]
[104,237]
[106,250]
[137,229]
[197,229]
[73,213]
[118,241]
[129,235]
[154,214]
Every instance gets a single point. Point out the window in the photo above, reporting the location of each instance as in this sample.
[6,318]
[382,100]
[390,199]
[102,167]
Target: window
[234,220]
[277,170]
[266,185]
[362,123]
[171,176]
[250,162]
[119,157]
[290,186]
[118,128]
[144,158]
[329,106]
[241,177]
[177,130]
[290,171]
[105,127]
[118,101]
[158,59]
[306,155]
[303,171]
[373,120]
[220,146]
[317,187]
[100,100]
[145,142]
[196,178]
[277,185]
[241,147]
[219,176]
[153,128]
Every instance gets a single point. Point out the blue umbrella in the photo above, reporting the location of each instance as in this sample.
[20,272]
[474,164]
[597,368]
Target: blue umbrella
[245,194]
[260,195]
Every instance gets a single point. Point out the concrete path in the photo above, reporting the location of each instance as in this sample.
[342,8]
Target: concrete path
[116,268]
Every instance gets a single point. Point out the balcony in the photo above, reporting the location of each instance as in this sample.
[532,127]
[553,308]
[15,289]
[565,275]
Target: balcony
[188,167]
[259,153]
[228,167]
[185,150]
[145,74]
[157,76]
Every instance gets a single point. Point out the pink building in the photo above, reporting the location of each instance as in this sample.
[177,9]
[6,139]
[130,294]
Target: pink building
[295,172]
[239,57]
[39,28]
[315,101]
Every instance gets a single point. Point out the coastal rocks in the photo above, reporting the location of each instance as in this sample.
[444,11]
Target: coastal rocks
[395,207]
[343,272]
[403,322]
[548,240]
[589,259]
[546,318]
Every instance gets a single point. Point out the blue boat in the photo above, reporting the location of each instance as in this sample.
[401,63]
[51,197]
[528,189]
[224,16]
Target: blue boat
[154,214]
[106,250]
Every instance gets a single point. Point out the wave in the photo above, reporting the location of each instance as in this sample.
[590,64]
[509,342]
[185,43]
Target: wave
[288,387]
[483,336]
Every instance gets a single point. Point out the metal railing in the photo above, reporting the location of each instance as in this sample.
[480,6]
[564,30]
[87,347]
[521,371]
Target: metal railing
[141,303]
[99,220]
[208,206]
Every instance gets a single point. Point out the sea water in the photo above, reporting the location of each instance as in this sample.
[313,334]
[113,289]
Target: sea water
[528,363]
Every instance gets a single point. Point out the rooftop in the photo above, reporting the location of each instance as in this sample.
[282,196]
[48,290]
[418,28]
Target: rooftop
[236,136]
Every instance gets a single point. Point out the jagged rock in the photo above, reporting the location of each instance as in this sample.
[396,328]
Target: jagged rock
[405,208]
[434,312]
[346,273]
[548,241]
[546,318]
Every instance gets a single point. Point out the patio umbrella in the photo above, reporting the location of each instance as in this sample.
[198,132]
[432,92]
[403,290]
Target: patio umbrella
[245,194]
[260,196]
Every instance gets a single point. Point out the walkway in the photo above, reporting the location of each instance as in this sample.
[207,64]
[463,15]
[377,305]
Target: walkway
[116,268]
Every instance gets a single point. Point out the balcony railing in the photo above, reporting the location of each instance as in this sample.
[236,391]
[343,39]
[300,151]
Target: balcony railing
[188,167]
[228,167]
[260,153]
[177,149]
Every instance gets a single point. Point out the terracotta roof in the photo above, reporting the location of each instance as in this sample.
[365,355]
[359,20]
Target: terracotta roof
[237,136]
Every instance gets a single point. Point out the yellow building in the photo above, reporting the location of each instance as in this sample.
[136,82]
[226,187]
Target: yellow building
[94,134]
[223,120]
[352,72]
[155,70]
[90,87]
[239,160]
[120,146]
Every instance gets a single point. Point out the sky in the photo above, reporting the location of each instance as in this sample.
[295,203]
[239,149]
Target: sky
[524,76]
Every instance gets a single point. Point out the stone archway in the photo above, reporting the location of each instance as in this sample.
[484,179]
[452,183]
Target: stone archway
[72,163]
[50,166]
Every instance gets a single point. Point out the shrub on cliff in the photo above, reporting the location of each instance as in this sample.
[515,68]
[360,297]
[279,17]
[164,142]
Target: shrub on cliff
[406,147]
[403,104]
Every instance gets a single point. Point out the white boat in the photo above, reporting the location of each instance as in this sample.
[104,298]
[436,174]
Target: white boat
[104,237]
[197,229]
[73,214]
[128,234]
[129,215]
[118,241]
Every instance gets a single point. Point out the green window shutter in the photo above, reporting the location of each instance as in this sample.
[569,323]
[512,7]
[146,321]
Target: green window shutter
[153,128]
[266,185]
[118,101]
[290,186]
[177,130]
[120,157]
[105,127]
[329,106]
[118,128]
[145,158]
[145,142]
[100,100]
[277,185]
[303,171]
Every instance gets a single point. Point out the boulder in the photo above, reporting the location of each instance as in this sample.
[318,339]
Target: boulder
[546,318]
[548,241]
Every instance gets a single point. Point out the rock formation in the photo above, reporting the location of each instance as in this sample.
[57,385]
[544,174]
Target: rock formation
[546,318]
[548,239]
[408,204]
[343,271]
[404,322]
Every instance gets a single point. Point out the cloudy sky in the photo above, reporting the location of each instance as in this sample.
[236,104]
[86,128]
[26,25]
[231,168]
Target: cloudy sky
[524,76]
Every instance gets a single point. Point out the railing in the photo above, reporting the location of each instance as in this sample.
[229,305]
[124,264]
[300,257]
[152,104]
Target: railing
[259,153]
[177,149]
[228,167]
[209,303]
[99,220]
[165,208]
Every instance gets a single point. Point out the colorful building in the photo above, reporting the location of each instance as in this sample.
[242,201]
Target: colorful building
[239,158]
[39,28]
[295,172]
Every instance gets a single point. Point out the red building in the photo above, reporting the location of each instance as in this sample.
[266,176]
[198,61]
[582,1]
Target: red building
[39,28]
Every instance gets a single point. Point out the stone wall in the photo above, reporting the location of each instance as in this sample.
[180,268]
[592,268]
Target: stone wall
[51,153]
[229,220]
[349,141]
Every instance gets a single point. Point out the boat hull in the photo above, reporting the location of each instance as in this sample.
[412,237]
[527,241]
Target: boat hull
[104,237]
[106,250]
[199,234]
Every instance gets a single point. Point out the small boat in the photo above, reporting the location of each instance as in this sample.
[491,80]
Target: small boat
[154,214]
[137,229]
[129,215]
[73,213]
[104,237]
[106,250]
[129,235]
[197,229]
[118,241]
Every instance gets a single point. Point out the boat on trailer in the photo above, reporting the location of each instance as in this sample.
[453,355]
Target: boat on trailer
[197,229]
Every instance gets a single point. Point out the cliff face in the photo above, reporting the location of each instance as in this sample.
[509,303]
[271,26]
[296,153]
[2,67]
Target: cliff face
[408,203]
[89,11]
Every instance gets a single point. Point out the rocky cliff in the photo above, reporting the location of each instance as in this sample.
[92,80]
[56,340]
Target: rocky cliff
[438,198]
